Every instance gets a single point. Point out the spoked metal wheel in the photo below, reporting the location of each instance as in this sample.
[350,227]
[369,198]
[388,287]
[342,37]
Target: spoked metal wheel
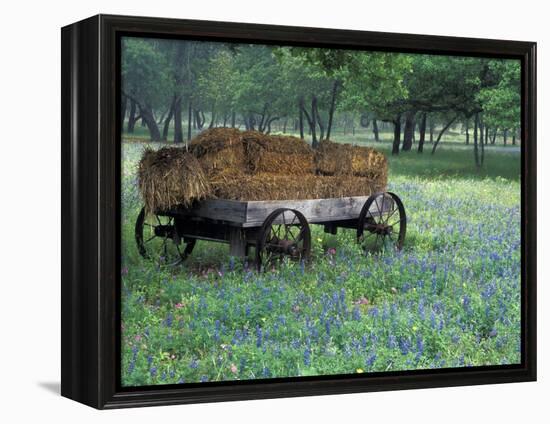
[158,240]
[285,233]
[382,223]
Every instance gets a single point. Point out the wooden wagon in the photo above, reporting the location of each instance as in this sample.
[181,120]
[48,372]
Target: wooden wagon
[275,229]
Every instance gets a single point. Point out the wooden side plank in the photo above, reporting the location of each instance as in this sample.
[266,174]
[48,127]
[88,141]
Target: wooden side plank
[315,210]
[219,209]
[253,213]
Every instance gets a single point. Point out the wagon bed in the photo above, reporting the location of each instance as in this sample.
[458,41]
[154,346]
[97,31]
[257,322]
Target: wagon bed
[248,214]
[245,224]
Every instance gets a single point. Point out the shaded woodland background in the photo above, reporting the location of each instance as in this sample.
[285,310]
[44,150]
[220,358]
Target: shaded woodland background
[173,89]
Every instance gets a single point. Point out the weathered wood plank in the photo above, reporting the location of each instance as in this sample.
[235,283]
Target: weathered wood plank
[253,213]
[315,211]
[219,209]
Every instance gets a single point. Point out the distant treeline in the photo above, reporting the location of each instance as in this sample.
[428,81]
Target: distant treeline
[190,85]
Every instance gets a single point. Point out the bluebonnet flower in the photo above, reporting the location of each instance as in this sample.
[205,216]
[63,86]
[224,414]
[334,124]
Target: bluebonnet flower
[419,347]
[404,345]
[258,336]
[370,360]
[153,371]
[307,357]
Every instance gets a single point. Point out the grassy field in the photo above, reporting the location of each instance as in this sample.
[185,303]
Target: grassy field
[451,298]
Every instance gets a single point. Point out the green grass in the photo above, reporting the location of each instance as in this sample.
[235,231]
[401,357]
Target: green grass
[450,299]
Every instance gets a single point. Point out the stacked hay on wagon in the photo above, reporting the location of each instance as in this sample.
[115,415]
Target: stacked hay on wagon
[277,154]
[345,159]
[169,177]
[219,150]
[249,165]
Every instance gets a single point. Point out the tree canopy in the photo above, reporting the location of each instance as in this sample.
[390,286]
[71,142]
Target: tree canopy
[172,82]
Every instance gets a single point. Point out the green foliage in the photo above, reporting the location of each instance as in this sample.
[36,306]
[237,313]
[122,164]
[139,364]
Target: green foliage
[502,101]
[145,72]
[376,82]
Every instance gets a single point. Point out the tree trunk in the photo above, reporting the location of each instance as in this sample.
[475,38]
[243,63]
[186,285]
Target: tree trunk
[375,130]
[445,128]
[233,119]
[178,132]
[301,117]
[431,131]
[486,134]
[212,119]
[476,152]
[481,130]
[319,122]
[123,104]
[147,117]
[505,136]
[482,148]
[132,117]
[422,135]
[167,121]
[396,135]
[189,117]
[494,139]
[332,107]
[199,119]
[467,131]
[408,131]
[314,142]
[514,138]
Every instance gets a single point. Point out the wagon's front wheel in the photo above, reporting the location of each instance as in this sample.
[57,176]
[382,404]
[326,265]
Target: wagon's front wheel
[382,223]
[285,233]
[157,239]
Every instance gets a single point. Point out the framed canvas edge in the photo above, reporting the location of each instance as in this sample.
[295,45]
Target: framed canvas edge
[90,195]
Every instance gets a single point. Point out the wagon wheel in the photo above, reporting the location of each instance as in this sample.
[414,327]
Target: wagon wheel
[158,240]
[285,232]
[382,223]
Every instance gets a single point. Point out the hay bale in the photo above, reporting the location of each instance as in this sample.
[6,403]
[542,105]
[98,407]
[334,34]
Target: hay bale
[277,154]
[346,159]
[170,177]
[219,149]
[269,186]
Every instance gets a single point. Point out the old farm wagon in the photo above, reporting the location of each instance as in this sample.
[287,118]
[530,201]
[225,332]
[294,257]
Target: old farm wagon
[223,193]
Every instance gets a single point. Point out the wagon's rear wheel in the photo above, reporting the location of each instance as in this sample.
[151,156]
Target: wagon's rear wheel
[285,233]
[382,223]
[158,240]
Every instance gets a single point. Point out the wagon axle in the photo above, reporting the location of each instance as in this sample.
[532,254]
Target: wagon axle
[288,247]
[165,231]
[381,229]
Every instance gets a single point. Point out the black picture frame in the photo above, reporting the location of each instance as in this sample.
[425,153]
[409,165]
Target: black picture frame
[91,213]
